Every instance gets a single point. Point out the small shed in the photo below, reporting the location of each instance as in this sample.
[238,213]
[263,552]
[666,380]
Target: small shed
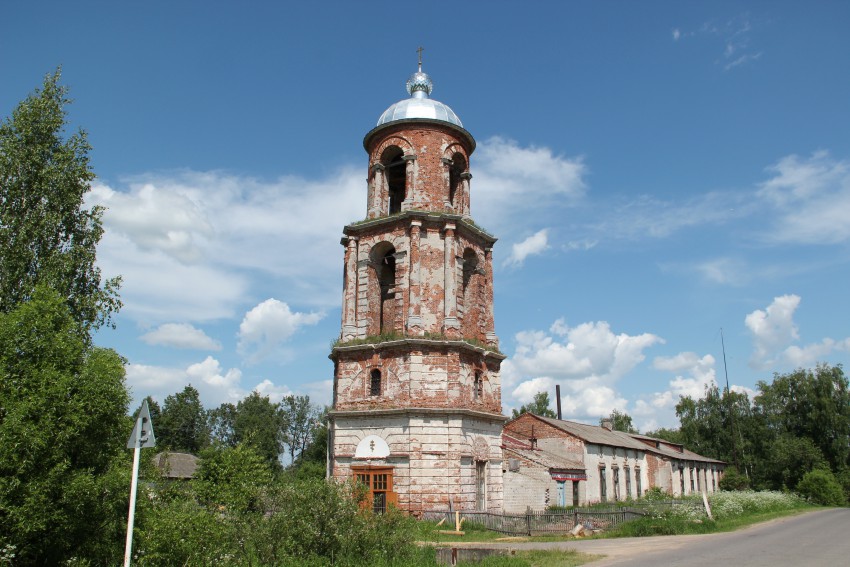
[176,466]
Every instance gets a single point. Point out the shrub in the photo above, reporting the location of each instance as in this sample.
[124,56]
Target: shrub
[734,480]
[820,487]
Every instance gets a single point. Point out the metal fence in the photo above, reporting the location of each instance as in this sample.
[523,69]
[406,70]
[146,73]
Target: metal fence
[545,522]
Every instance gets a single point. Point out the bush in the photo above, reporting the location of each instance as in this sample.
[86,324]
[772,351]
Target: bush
[820,487]
[734,480]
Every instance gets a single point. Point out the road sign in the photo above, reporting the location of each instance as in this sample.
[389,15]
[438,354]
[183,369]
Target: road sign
[142,430]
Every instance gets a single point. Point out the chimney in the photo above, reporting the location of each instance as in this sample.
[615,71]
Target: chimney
[607,423]
[558,399]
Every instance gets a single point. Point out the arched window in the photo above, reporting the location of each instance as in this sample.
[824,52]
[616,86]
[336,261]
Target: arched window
[470,289]
[478,386]
[396,174]
[457,167]
[375,383]
[386,279]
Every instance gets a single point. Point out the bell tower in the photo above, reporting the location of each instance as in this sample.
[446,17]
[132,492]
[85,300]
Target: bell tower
[417,395]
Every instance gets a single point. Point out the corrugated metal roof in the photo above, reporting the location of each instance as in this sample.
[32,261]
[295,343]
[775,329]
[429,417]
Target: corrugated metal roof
[596,434]
[545,459]
[602,436]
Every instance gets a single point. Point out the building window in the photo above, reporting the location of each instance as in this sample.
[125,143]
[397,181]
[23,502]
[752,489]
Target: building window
[713,481]
[386,279]
[682,478]
[628,472]
[481,486]
[616,472]
[396,173]
[603,485]
[699,488]
[478,386]
[457,167]
[375,383]
[692,479]
[379,487]
[638,483]
[575,493]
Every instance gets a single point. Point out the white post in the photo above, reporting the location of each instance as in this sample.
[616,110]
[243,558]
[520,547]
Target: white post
[134,484]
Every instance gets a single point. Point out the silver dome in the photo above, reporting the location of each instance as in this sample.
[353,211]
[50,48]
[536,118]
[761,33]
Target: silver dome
[419,105]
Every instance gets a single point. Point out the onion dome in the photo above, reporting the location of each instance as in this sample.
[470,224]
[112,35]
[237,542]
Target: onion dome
[419,105]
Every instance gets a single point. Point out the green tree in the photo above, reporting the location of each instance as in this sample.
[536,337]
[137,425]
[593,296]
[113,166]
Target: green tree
[539,406]
[312,462]
[714,424]
[814,404]
[299,418]
[220,422]
[183,422]
[621,421]
[671,435]
[258,424]
[63,428]
[46,235]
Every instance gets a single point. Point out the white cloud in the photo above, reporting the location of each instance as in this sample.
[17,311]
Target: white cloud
[268,325]
[209,371]
[812,197]
[725,271]
[676,34]
[693,374]
[533,245]
[215,384]
[511,181]
[774,334]
[274,392]
[773,329]
[180,335]
[190,245]
[586,360]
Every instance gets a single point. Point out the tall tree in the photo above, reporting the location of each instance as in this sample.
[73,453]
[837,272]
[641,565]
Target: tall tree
[814,404]
[183,422]
[538,406]
[46,235]
[620,421]
[258,424]
[221,422]
[63,428]
[299,421]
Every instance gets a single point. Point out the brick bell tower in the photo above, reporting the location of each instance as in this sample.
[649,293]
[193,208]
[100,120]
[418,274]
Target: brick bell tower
[417,396]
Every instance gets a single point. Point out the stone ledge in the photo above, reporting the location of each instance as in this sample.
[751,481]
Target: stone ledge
[416,341]
[487,416]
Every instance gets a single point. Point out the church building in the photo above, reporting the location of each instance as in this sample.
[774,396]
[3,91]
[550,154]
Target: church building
[417,407]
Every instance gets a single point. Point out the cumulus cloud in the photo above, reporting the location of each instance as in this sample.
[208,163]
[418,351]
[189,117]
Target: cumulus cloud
[692,375]
[775,332]
[180,335]
[812,198]
[531,246]
[196,245]
[773,329]
[215,384]
[586,360]
[515,180]
[268,325]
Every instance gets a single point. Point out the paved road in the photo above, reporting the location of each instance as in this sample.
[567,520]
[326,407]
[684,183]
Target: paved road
[812,539]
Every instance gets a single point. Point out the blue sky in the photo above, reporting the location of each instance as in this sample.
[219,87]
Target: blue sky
[655,172]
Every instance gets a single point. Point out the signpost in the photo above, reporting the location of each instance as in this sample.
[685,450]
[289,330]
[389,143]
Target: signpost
[141,437]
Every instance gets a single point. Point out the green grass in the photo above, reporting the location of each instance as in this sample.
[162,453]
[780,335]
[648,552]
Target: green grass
[537,558]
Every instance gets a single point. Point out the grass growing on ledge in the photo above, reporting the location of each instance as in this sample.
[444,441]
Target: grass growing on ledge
[392,336]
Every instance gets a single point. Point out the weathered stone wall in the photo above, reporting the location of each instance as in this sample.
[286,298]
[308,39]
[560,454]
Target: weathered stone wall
[433,454]
[417,373]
